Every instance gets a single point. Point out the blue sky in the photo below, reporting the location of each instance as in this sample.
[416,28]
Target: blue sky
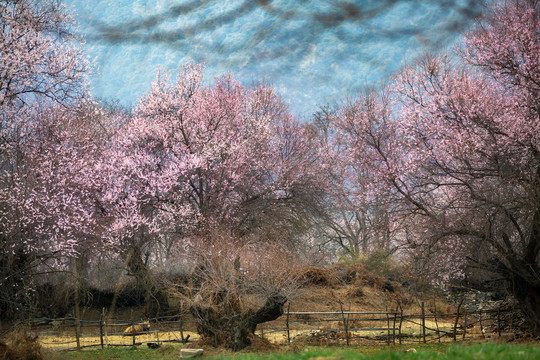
[313,52]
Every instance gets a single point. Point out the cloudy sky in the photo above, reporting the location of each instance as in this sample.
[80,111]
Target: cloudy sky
[312,51]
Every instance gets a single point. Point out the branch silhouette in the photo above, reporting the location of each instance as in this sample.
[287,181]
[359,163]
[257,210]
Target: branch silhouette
[276,30]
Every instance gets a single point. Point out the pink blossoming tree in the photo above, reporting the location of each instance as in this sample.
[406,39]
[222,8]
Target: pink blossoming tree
[43,206]
[196,160]
[463,160]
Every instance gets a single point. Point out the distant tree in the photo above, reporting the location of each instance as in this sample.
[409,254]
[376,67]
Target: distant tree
[464,159]
[358,219]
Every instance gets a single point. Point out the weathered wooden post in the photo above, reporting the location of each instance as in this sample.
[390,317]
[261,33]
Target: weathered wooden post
[105,327]
[101,328]
[345,325]
[457,318]
[348,319]
[182,329]
[387,326]
[400,322]
[133,328]
[481,326]
[464,324]
[423,323]
[287,323]
[499,321]
[394,328]
[435,317]
[77,305]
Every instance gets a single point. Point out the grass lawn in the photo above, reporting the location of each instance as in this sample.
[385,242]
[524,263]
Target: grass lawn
[424,352]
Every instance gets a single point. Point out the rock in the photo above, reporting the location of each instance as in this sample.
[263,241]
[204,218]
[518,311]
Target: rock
[190,353]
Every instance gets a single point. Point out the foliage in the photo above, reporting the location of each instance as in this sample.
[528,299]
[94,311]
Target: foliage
[196,158]
[41,202]
[46,183]
[380,261]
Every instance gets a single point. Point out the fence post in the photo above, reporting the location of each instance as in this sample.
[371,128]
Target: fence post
[348,319]
[394,328]
[482,326]
[387,326]
[435,317]
[77,305]
[287,323]
[464,324]
[499,321]
[133,328]
[101,328]
[423,323]
[400,322]
[105,327]
[457,318]
[182,329]
[345,325]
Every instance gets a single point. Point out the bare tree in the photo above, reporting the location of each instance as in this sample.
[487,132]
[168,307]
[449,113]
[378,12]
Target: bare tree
[237,286]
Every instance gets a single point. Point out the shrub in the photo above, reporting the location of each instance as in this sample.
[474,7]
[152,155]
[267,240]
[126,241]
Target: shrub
[21,347]
[314,275]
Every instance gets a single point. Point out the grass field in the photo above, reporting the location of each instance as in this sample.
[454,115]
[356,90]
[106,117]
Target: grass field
[430,351]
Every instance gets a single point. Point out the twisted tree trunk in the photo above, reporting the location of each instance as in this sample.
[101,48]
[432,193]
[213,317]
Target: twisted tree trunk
[224,322]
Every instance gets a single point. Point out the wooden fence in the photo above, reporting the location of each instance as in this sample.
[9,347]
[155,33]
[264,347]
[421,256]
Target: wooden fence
[73,334]
[340,326]
[388,326]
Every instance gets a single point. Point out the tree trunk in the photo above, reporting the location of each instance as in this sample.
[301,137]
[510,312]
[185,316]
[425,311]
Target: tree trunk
[526,284]
[527,293]
[146,283]
[16,278]
[224,322]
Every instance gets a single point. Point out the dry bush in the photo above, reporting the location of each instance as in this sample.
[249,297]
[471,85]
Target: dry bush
[442,309]
[355,291]
[259,344]
[373,279]
[348,274]
[234,287]
[314,275]
[21,346]
[402,299]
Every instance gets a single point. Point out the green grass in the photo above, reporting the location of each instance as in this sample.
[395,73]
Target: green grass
[164,353]
[431,351]
[423,352]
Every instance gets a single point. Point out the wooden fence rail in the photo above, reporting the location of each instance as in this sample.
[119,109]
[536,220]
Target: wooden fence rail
[307,324]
